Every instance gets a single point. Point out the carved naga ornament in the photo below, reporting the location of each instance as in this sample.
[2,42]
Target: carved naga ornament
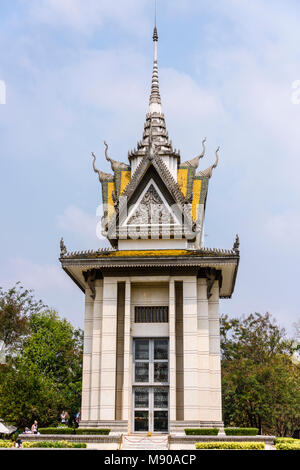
[63,249]
[114,164]
[102,176]
[194,162]
[208,172]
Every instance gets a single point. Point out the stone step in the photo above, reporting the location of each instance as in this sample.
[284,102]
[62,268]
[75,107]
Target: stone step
[145,442]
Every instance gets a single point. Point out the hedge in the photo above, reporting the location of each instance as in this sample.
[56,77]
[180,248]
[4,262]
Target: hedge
[59,430]
[62,430]
[231,445]
[287,443]
[289,440]
[54,444]
[241,431]
[92,431]
[202,432]
[6,444]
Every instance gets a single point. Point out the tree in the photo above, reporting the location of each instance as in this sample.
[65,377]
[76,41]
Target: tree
[26,396]
[16,307]
[45,376]
[260,379]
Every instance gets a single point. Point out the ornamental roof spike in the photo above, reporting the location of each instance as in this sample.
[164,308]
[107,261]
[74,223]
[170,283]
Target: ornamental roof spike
[194,162]
[155,100]
[115,165]
[102,176]
[236,245]
[208,172]
[63,248]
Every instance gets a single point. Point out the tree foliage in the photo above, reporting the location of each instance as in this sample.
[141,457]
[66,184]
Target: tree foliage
[260,376]
[43,374]
[16,307]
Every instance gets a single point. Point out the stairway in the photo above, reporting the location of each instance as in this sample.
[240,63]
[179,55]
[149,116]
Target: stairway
[140,442]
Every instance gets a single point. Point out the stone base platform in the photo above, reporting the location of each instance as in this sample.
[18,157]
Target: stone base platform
[180,426]
[181,438]
[175,440]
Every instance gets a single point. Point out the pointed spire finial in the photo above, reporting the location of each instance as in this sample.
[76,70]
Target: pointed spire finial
[155,101]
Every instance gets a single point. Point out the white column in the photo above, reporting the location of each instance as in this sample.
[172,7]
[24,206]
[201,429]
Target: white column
[172,351]
[190,350]
[87,356]
[203,351]
[127,355]
[96,351]
[108,349]
[214,352]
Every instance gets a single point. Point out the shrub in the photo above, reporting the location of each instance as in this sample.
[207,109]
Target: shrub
[59,430]
[241,431]
[54,444]
[231,445]
[289,440]
[65,430]
[287,443]
[202,432]
[92,431]
[6,444]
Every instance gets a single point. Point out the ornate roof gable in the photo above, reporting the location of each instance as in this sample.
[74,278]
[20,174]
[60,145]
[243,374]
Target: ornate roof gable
[153,168]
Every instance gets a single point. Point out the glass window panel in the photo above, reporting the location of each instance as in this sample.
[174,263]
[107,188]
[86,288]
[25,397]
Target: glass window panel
[160,371]
[161,398]
[160,349]
[141,421]
[141,398]
[142,372]
[161,421]
[141,349]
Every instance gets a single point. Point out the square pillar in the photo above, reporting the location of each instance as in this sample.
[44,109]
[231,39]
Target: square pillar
[96,352]
[215,354]
[172,351]
[87,356]
[108,349]
[203,350]
[190,349]
[127,355]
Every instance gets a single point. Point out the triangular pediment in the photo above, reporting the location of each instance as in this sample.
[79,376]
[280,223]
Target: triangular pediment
[151,208]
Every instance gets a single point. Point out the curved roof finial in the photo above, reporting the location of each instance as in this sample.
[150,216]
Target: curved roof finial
[114,164]
[208,172]
[102,176]
[195,161]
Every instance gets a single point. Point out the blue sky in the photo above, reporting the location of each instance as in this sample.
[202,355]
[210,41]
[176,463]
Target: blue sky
[79,72]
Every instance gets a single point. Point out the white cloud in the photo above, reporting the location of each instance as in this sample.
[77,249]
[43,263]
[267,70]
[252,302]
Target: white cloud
[39,277]
[88,14]
[49,283]
[80,226]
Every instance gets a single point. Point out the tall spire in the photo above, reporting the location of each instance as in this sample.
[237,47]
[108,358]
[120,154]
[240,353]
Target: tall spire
[155,101]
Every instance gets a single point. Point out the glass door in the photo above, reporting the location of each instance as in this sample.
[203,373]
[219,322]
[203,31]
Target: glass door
[150,385]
